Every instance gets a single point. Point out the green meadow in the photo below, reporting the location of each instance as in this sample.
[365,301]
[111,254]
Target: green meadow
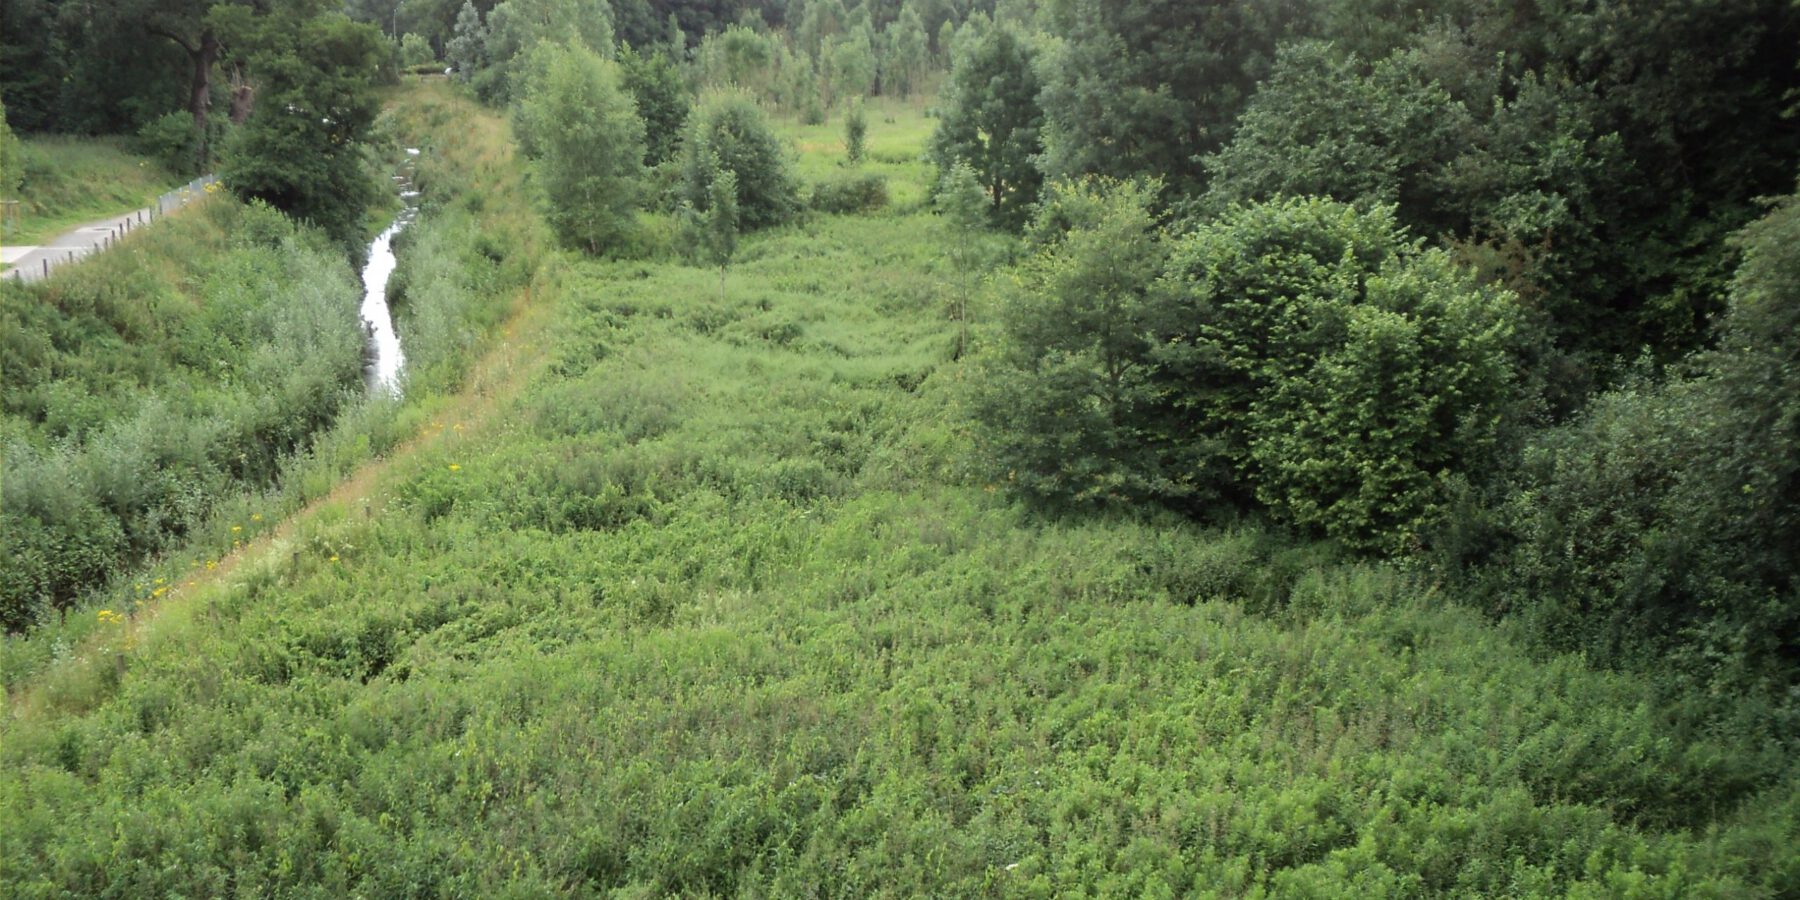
[682,594]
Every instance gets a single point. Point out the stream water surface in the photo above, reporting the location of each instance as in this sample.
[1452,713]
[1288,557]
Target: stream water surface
[384,359]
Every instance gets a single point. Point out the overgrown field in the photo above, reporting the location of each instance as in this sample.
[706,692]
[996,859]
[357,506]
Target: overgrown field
[724,604]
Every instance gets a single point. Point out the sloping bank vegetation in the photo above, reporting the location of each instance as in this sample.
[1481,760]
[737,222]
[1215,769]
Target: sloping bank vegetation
[176,397]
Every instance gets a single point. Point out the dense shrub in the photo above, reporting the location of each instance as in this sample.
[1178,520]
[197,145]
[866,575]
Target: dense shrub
[416,52]
[135,409]
[1066,400]
[850,194]
[11,159]
[170,139]
[1666,519]
[734,131]
[1304,355]
[1336,368]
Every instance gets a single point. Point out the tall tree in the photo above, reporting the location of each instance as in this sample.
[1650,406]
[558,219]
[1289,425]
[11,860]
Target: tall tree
[907,52]
[662,99]
[301,150]
[992,122]
[467,49]
[587,142]
[214,31]
[1148,87]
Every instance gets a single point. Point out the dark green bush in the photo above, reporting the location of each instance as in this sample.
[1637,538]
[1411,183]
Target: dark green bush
[1336,369]
[171,140]
[850,194]
[1665,521]
[732,129]
[1302,355]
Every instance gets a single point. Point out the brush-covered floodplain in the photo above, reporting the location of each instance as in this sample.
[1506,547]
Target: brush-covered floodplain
[708,592]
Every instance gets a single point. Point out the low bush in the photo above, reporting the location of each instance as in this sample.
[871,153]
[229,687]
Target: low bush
[850,194]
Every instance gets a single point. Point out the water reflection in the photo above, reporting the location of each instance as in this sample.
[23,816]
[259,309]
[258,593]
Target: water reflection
[381,370]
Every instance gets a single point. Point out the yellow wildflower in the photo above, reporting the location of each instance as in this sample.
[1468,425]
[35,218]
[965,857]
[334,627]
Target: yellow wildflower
[236,528]
[455,468]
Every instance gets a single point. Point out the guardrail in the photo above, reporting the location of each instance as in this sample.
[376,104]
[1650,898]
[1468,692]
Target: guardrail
[178,197]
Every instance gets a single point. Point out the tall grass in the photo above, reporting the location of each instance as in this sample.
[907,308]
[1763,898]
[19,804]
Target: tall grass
[69,180]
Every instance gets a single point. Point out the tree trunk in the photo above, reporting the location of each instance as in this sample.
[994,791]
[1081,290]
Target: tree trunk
[200,90]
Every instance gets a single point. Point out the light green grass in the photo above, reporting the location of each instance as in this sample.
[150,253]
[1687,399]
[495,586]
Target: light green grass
[726,605]
[896,148]
[70,181]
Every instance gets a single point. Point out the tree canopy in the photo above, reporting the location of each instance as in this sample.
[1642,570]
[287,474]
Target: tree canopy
[991,121]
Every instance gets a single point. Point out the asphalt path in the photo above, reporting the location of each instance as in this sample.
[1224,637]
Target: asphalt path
[35,263]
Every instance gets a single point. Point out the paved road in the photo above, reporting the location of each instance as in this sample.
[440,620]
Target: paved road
[37,262]
[34,263]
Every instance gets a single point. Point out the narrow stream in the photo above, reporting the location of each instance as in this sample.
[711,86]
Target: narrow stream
[383,358]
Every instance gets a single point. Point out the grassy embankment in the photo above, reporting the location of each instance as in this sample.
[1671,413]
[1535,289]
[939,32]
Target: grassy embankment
[721,603]
[175,399]
[68,181]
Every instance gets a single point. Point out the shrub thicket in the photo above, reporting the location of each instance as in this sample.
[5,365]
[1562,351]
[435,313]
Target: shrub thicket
[734,131]
[130,409]
[1304,355]
[861,193]
[1666,519]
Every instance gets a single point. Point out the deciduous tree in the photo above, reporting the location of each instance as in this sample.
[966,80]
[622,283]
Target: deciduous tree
[992,122]
[586,141]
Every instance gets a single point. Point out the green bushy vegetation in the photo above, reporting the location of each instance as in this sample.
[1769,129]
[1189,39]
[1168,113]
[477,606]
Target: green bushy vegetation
[725,603]
[1372,472]
[221,358]
[1302,353]
[864,192]
[729,132]
[144,386]
[1662,522]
